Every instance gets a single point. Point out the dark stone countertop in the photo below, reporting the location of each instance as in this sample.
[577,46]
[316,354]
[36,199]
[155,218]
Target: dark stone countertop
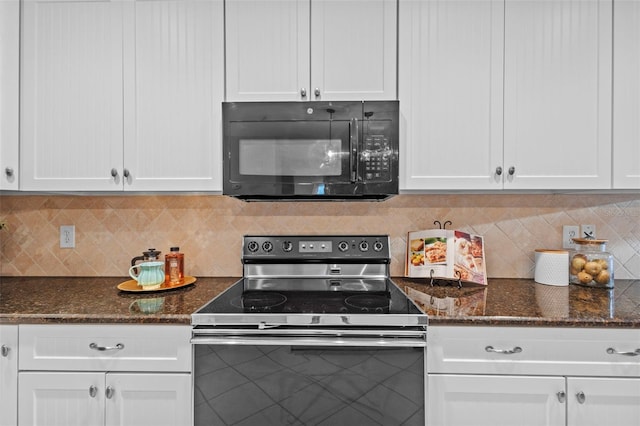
[504,302]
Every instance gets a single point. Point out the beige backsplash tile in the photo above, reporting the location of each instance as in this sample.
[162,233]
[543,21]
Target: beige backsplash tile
[110,230]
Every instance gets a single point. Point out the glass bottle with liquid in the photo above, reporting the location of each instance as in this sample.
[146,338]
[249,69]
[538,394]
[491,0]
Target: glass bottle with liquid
[174,266]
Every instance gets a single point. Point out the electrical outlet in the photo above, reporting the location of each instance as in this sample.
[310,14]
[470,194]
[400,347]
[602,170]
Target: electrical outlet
[67,236]
[569,232]
[587,231]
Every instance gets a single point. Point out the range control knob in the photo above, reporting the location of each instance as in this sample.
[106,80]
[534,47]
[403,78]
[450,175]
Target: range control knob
[287,246]
[378,246]
[252,246]
[343,246]
[364,246]
[267,246]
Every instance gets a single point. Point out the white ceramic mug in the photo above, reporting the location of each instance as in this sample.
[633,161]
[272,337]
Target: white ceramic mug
[151,275]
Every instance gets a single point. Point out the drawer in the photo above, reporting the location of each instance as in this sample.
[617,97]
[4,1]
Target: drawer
[105,347]
[524,350]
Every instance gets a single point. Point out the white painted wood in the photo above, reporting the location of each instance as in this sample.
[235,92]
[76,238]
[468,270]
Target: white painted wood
[9,93]
[61,398]
[626,94]
[557,94]
[267,50]
[148,399]
[450,91]
[174,86]
[72,95]
[475,400]
[353,49]
[277,49]
[67,347]
[9,375]
[545,351]
[607,401]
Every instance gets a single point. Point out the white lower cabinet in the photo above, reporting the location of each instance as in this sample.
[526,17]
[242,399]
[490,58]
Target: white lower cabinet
[104,375]
[8,374]
[533,376]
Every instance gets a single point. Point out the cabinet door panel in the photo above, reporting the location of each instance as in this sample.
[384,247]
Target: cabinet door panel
[149,399]
[353,49]
[8,375]
[71,104]
[63,398]
[466,400]
[607,401]
[557,100]
[173,95]
[450,90]
[626,94]
[267,50]
[9,78]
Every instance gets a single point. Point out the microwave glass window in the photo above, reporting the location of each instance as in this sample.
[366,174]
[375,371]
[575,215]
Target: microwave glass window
[290,157]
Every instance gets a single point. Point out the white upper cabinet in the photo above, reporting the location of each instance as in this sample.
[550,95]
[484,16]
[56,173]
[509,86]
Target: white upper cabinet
[626,94]
[121,95]
[557,94]
[450,90]
[9,101]
[311,50]
[505,94]
[174,86]
[72,100]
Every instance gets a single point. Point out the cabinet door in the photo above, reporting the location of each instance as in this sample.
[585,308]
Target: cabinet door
[603,401]
[148,399]
[450,90]
[466,400]
[72,95]
[174,86]
[62,398]
[626,94]
[267,50]
[557,94]
[353,49]
[8,374]
[9,71]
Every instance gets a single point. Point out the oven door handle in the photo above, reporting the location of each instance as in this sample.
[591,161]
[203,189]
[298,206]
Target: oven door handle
[353,149]
[388,342]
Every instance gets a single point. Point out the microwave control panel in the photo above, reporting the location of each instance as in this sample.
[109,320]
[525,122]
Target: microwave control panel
[376,158]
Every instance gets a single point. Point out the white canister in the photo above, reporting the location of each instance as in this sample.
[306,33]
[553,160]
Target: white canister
[552,267]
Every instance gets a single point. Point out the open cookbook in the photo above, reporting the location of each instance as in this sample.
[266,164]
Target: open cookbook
[446,254]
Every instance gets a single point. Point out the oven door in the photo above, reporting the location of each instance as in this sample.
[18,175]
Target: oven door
[314,380]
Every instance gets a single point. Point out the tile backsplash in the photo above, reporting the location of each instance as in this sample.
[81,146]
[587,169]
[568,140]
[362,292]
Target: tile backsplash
[112,229]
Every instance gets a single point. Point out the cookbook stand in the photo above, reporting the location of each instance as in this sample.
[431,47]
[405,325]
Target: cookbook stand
[445,282]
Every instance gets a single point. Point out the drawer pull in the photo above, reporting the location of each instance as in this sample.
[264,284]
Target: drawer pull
[5,350]
[515,350]
[562,397]
[93,391]
[106,348]
[581,398]
[612,351]
[109,392]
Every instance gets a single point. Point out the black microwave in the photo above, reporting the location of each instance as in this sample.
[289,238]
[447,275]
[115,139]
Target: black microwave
[341,150]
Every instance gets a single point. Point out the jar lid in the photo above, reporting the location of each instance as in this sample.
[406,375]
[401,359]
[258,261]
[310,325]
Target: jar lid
[589,241]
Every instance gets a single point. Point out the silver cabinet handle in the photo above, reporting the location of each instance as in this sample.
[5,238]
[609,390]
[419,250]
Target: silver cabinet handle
[515,350]
[8,171]
[5,350]
[562,397]
[114,173]
[317,92]
[303,92]
[612,351]
[580,397]
[126,173]
[109,392]
[512,171]
[95,346]
[499,170]
[93,391]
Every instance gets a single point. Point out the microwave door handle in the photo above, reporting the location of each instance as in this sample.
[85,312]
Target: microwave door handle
[353,149]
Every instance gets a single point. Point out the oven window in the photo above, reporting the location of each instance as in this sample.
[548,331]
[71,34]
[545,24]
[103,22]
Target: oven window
[290,157]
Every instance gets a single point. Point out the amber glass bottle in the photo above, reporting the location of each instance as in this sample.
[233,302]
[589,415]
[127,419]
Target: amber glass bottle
[174,266]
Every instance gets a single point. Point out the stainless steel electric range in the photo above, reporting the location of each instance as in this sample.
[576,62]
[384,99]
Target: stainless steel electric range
[315,333]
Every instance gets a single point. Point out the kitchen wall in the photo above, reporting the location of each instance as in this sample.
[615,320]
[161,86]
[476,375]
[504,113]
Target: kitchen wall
[110,230]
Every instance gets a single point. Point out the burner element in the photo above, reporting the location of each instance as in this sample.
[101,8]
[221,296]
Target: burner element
[368,302]
[262,301]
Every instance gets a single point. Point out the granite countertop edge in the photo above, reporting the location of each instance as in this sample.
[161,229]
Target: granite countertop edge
[507,302]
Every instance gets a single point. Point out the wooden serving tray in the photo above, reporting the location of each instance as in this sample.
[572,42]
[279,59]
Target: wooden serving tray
[132,286]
